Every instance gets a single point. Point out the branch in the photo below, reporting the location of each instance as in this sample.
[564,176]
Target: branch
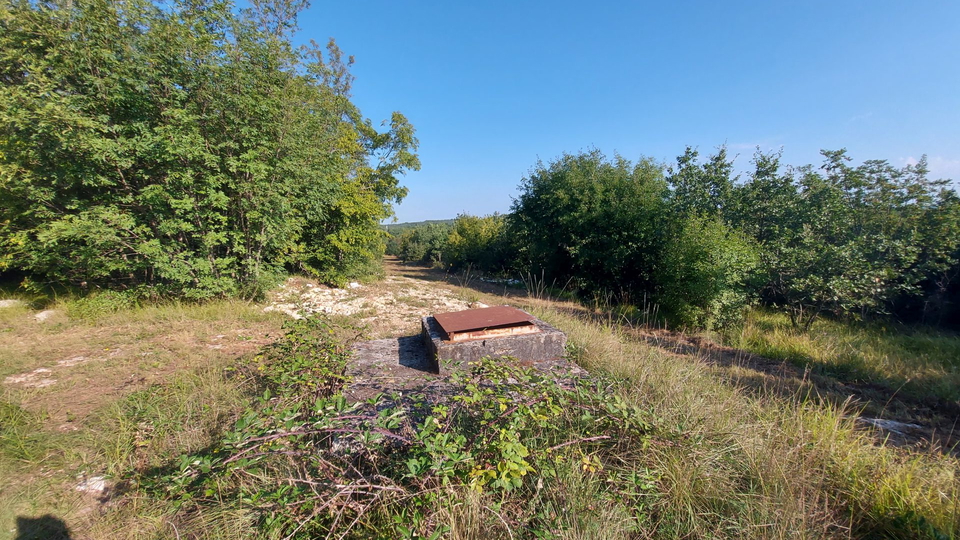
[587,439]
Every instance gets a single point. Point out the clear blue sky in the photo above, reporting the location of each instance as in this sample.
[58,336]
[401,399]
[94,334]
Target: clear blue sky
[493,86]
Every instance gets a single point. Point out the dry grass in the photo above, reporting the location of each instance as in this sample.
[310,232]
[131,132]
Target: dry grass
[735,459]
[916,361]
[745,464]
[132,387]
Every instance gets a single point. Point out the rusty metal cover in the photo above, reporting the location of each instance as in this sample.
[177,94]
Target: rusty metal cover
[480,319]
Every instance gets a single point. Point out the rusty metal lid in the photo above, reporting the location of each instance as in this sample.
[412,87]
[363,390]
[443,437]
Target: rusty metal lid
[479,319]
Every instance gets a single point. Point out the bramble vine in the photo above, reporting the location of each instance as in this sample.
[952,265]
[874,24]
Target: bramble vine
[307,462]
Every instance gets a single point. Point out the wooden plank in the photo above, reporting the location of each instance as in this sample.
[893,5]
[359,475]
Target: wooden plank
[493,332]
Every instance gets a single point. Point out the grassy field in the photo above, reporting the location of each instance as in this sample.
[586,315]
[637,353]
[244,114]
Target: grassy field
[755,435]
[920,362]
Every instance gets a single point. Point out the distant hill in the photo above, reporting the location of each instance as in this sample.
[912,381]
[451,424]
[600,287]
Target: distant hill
[395,228]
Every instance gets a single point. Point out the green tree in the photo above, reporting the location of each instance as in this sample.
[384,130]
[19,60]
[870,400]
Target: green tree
[707,274]
[592,222]
[188,149]
[843,239]
[480,242]
[425,244]
[702,188]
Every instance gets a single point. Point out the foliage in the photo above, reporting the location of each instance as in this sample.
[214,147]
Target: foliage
[480,242]
[308,463]
[702,189]
[308,362]
[623,230]
[425,244]
[847,240]
[592,222]
[706,274]
[865,241]
[186,146]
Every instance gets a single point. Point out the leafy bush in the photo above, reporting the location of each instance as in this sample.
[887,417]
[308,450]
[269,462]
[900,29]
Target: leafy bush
[593,223]
[843,240]
[308,362]
[425,244]
[480,242]
[706,275]
[848,240]
[189,147]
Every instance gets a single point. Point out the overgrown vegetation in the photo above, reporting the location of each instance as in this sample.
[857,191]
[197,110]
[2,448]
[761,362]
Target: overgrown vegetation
[755,463]
[184,148]
[697,448]
[865,241]
[153,151]
[914,361]
[305,463]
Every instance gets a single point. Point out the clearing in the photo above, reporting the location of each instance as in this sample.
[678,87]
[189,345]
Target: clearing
[87,399]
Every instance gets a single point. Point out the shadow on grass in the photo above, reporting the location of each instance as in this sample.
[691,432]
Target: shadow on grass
[871,396]
[46,527]
[793,374]
[468,280]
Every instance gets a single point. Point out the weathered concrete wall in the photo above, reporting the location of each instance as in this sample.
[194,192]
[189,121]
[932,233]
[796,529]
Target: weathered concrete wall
[547,345]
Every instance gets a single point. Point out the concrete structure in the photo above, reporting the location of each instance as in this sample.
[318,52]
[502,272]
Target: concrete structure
[546,344]
[419,365]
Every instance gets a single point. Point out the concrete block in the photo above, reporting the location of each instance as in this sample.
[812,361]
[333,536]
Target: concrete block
[547,345]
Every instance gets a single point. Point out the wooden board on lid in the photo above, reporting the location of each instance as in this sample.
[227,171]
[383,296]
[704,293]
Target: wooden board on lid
[485,323]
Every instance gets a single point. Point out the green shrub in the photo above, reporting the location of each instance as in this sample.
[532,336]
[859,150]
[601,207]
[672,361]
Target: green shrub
[202,154]
[480,242]
[100,304]
[706,275]
[307,463]
[425,244]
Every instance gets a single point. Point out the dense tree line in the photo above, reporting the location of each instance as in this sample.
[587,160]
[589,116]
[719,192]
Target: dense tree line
[867,240]
[184,148]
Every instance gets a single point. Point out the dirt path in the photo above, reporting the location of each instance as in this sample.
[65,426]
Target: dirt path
[388,308]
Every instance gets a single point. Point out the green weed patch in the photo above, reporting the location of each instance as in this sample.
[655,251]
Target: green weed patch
[307,463]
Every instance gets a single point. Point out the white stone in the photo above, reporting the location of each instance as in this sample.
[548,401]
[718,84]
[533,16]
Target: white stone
[94,484]
[45,314]
[32,379]
[11,303]
[70,362]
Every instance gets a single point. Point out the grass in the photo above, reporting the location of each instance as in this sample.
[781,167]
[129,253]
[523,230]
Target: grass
[919,362]
[751,465]
[728,460]
[141,384]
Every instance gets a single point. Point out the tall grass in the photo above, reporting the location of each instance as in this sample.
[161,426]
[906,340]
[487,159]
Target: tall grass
[728,462]
[760,466]
[914,361]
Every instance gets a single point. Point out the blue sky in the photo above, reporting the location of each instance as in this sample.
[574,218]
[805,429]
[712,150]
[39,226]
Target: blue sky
[492,87]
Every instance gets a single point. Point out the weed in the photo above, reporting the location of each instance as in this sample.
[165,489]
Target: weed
[756,465]
[20,436]
[308,463]
[100,304]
